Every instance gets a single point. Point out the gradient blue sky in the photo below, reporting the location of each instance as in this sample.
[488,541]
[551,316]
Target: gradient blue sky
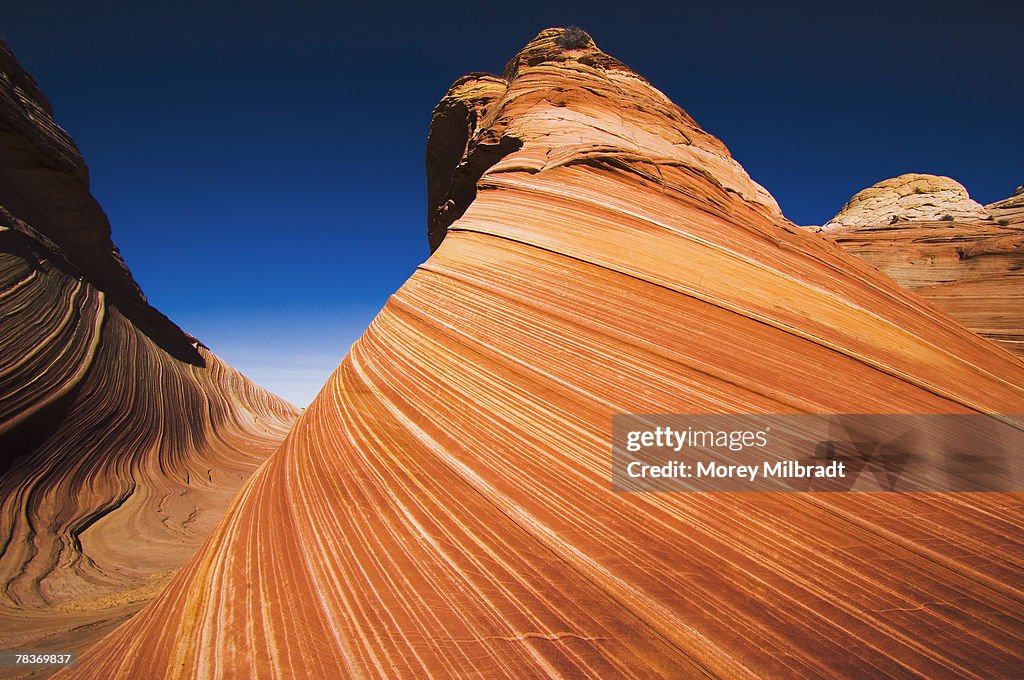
[262,165]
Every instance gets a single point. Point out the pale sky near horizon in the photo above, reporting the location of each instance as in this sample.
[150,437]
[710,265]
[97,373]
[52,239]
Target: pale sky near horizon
[267,353]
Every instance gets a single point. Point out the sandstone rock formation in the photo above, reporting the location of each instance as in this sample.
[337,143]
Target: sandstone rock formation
[926,233]
[122,439]
[1009,212]
[443,508]
[911,197]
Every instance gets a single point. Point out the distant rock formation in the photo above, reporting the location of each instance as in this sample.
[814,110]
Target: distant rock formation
[907,198]
[443,508]
[1009,212]
[926,233]
[122,438]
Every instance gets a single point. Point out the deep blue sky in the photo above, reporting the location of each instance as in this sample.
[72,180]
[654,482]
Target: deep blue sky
[262,165]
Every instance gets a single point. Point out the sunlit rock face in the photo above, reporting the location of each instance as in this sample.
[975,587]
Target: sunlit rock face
[1009,212]
[443,508]
[122,438]
[927,234]
[911,197]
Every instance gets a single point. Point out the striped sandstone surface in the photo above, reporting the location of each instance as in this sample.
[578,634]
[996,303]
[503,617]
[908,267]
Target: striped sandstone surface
[926,233]
[443,508]
[122,438]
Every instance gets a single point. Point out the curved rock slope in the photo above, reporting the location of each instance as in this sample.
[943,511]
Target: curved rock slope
[443,508]
[122,439]
[926,233]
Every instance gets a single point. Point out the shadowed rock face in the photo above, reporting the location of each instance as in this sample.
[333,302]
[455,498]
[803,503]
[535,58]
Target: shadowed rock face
[927,234]
[444,508]
[44,182]
[122,439]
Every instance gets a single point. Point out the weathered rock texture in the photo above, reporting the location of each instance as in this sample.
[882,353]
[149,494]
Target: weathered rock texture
[926,233]
[1009,212]
[443,508]
[122,439]
[910,197]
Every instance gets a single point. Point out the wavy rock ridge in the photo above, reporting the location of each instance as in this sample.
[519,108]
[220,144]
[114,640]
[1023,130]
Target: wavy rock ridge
[926,233]
[443,508]
[122,439]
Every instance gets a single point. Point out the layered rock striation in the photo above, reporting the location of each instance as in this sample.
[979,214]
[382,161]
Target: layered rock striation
[444,509]
[926,233]
[122,438]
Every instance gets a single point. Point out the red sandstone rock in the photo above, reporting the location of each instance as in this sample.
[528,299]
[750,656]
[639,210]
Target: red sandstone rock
[443,509]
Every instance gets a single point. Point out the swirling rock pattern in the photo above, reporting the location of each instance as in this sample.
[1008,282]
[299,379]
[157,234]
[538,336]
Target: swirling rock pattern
[122,439]
[967,260]
[443,508]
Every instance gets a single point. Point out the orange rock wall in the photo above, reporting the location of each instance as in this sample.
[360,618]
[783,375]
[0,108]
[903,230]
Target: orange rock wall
[444,508]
